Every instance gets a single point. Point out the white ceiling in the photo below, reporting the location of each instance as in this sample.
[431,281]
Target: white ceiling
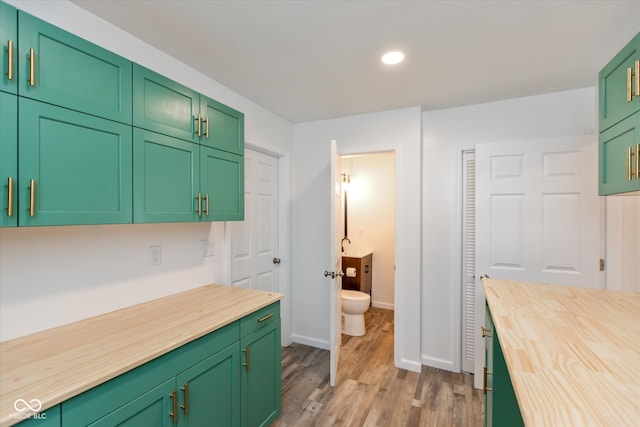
[311,60]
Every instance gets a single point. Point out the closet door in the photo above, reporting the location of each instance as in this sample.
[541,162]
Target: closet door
[469,330]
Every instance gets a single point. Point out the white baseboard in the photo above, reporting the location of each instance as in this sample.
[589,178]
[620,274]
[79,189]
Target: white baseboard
[313,342]
[435,362]
[384,305]
[409,365]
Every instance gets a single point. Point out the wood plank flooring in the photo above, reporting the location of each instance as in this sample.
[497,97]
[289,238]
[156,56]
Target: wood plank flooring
[370,390]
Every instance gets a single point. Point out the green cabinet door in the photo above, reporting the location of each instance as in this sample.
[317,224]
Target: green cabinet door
[223,127]
[209,392]
[261,376]
[619,151]
[8,160]
[9,41]
[49,418]
[165,106]
[503,409]
[615,103]
[153,408]
[222,185]
[60,68]
[166,178]
[81,167]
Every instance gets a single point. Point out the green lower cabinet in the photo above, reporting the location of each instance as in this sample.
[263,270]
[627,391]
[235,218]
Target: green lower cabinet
[166,178]
[222,185]
[209,393]
[261,372]
[619,157]
[74,168]
[8,159]
[501,406]
[49,418]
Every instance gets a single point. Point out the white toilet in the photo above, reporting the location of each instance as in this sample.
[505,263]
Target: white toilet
[354,305]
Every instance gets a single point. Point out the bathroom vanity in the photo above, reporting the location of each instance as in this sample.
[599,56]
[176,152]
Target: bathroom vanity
[362,263]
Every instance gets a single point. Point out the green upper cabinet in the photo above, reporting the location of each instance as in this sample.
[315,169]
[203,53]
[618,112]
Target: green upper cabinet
[9,40]
[221,185]
[166,178]
[619,120]
[62,69]
[164,106]
[619,88]
[223,126]
[8,160]
[619,157]
[74,168]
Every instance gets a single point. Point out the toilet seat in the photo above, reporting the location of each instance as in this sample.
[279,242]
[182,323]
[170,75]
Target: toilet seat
[349,295]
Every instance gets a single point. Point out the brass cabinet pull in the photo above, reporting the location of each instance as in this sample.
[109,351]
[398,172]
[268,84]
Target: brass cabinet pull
[199,199]
[629,155]
[485,332]
[32,196]
[185,407]
[637,63]
[32,67]
[268,316]
[246,358]
[485,389]
[629,73]
[206,204]
[199,126]
[10,59]
[174,414]
[10,196]
[637,161]
[206,127]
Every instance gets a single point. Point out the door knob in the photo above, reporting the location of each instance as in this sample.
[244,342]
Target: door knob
[276,260]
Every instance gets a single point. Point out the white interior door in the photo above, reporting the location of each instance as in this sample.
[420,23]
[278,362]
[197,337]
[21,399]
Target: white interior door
[254,241]
[537,216]
[335,264]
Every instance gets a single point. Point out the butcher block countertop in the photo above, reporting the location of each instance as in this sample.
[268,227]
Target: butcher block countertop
[573,354]
[57,364]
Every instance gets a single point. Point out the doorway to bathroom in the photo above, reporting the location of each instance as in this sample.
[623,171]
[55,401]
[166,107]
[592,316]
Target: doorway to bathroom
[369,210]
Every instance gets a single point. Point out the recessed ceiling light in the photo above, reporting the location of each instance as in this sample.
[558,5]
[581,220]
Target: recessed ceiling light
[392,58]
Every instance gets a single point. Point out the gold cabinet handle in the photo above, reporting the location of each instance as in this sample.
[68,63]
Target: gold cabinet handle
[629,73]
[637,161]
[10,196]
[185,407]
[206,127]
[637,64]
[206,204]
[268,316]
[629,155]
[246,358]
[485,332]
[32,197]
[32,67]
[10,59]
[174,414]
[485,389]
[199,199]
[198,120]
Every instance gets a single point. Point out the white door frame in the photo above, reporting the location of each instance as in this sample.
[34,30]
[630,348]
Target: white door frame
[284,211]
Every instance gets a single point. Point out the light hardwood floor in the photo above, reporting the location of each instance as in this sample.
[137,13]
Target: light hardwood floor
[370,391]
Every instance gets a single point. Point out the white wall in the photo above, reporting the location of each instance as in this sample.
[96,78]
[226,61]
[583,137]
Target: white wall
[397,130]
[445,134]
[371,218]
[55,275]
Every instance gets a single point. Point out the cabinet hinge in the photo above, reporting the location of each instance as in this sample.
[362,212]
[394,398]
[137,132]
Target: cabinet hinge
[601,264]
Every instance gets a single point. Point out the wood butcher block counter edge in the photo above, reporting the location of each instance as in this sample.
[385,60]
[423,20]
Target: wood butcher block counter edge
[57,364]
[573,354]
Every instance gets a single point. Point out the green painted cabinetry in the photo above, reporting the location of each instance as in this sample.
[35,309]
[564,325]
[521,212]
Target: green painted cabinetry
[9,41]
[74,168]
[8,159]
[221,185]
[619,120]
[260,376]
[60,68]
[223,127]
[501,407]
